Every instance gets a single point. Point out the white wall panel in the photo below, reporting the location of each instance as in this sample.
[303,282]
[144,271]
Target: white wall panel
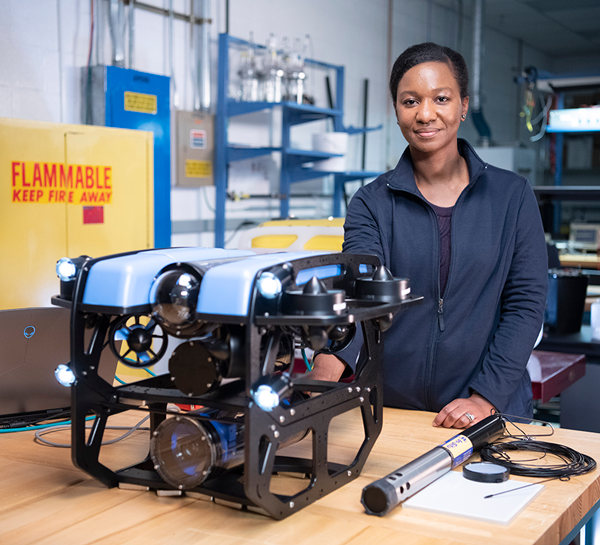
[5,102]
[35,105]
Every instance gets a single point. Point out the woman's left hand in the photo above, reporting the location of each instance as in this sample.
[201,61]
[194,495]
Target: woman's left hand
[454,414]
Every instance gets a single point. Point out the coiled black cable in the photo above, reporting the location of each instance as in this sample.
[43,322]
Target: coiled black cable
[573,462]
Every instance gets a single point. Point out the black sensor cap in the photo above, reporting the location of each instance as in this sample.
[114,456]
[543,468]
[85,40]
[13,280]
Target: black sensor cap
[379,498]
[485,472]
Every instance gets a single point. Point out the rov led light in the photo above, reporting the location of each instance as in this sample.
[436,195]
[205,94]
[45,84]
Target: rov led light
[66,269]
[268,395]
[266,398]
[268,285]
[64,375]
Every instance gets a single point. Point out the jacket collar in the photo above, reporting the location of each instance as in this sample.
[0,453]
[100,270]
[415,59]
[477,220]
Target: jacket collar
[402,178]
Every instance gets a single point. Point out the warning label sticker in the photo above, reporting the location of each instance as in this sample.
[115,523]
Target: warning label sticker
[51,183]
[460,448]
[198,169]
[140,102]
[197,139]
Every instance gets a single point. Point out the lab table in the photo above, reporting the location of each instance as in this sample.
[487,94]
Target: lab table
[45,500]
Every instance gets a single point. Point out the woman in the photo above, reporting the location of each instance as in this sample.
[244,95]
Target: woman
[470,239]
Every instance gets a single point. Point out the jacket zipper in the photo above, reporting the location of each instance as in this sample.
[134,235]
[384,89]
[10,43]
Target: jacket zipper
[440,310]
[440,313]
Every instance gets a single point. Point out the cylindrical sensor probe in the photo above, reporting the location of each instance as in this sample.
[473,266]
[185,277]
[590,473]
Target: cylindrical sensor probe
[381,496]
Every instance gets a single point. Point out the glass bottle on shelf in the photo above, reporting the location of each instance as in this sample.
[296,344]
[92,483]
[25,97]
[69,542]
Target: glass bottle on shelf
[273,73]
[249,90]
[295,72]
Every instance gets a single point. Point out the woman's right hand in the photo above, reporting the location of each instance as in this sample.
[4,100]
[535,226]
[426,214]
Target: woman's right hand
[326,367]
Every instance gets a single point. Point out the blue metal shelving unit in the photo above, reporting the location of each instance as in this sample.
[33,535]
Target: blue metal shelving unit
[293,161]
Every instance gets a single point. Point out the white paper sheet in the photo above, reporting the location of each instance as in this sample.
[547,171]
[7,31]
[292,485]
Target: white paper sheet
[452,494]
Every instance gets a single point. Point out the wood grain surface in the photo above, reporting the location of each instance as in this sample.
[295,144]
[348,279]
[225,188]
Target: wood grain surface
[45,500]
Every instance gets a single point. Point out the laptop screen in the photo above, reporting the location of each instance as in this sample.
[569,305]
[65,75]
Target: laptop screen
[33,342]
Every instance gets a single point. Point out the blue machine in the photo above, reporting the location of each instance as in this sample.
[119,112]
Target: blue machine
[130,278]
[233,320]
[128,99]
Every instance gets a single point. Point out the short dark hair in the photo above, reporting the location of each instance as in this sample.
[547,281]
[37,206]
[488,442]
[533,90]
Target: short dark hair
[430,52]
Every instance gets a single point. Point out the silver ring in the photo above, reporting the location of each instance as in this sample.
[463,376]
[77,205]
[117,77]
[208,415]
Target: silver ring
[470,417]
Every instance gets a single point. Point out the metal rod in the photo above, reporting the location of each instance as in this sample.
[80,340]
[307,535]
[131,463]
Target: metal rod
[329,95]
[482,127]
[174,93]
[161,11]
[60,64]
[518,90]
[131,36]
[364,136]
[477,23]
[278,196]
[459,27]
[205,83]
[389,105]
[519,488]
[117,30]
[201,48]
[99,37]
[195,55]
[226,16]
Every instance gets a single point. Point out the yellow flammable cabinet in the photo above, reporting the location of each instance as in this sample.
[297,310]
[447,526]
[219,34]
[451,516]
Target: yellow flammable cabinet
[68,190]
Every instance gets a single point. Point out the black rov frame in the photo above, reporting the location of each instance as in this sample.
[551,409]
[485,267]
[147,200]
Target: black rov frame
[263,431]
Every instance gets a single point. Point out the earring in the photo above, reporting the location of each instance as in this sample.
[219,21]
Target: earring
[463,117]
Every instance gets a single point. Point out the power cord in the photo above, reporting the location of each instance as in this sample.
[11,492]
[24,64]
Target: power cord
[309,364]
[571,463]
[39,435]
[62,424]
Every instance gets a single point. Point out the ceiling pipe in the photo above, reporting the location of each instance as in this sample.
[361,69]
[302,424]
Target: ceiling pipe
[174,92]
[131,34]
[116,20]
[485,135]
[99,29]
[429,20]
[202,83]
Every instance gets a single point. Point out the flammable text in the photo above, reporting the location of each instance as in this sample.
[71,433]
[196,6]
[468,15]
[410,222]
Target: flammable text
[47,183]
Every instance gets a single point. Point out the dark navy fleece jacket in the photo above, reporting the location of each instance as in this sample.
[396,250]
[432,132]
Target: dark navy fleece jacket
[479,337]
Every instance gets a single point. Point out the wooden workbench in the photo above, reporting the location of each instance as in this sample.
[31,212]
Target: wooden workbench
[583,261]
[45,500]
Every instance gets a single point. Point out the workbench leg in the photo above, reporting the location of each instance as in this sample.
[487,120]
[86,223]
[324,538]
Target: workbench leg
[590,529]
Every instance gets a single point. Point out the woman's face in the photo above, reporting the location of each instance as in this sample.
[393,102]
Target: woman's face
[429,107]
